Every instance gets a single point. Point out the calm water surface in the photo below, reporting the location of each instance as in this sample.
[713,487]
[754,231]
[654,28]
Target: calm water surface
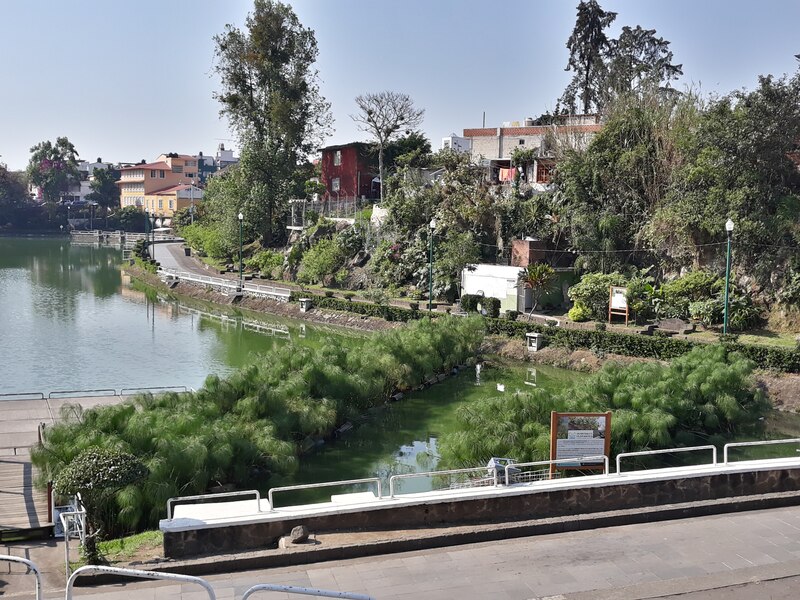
[68,321]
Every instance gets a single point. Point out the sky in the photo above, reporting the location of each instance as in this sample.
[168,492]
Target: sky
[127,81]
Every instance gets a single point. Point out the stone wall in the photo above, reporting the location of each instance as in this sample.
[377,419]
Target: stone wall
[506,507]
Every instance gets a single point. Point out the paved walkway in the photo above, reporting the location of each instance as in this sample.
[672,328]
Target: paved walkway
[730,557]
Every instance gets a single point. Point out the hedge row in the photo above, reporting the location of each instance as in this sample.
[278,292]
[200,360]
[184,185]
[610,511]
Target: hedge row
[663,348]
[382,311]
[646,346]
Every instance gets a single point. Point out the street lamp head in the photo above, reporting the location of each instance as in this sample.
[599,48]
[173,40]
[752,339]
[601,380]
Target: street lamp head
[241,216]
[433,224]
[729,226]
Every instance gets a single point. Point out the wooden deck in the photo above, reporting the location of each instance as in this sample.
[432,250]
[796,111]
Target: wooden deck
[23,506]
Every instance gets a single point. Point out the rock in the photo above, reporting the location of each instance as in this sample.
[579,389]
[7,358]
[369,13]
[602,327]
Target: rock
[299,534]
[676,326]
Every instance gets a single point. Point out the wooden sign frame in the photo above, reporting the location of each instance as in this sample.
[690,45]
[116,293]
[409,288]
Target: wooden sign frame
[616,311]
[554,421]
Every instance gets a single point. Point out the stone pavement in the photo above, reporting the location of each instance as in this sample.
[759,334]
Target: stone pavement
[734,556]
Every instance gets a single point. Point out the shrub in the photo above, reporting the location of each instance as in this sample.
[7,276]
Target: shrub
[349,296]
[414,306]
[708,312]
[696,286]
[512,315]
[469,302]
[492,306]
[265,261]
[592,292]
[321,263]
[580,312]
[328,294]
[742,313]
[600,326]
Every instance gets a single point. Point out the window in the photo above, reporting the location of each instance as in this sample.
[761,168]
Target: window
[160,204]
[191,163]
[171,204]
[522,142]
[177,169]
[153,174]
[189,174]
[162,174]
[544,172]
[337,158]
[335,184]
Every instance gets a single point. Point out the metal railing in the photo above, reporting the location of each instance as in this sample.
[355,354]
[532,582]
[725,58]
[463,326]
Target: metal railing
[232,284]
[171,502]
[758,443]
[86,393]
[311,486]
[394,478]
[163,388]
[31,566]
[301,591]
[538,463]
[79,517]
[23,396]
[668,451]
[138,574]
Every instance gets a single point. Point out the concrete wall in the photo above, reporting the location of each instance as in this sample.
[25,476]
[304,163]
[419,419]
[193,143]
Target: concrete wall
[507,507]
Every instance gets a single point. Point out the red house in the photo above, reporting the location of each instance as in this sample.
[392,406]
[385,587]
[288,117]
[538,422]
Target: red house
[348,171]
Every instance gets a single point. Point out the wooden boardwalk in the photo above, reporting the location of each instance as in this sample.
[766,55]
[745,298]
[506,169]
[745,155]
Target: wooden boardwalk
[22,505]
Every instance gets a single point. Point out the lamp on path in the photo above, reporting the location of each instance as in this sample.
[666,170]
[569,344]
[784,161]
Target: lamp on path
[729,231]
[241,277]
[430,265]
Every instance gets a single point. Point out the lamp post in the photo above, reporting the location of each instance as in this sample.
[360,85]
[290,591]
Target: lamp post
[430,265]
[729,231]
[191,201]
[241,277]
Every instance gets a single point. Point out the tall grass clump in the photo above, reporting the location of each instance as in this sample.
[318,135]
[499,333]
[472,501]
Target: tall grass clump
[238,430]
[704,397]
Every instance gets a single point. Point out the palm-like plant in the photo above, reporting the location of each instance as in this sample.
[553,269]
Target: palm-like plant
[539,278]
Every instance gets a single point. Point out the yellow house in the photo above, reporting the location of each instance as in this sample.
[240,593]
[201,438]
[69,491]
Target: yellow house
[161,187]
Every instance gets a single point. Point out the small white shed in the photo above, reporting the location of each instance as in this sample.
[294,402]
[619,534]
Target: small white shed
[497,281]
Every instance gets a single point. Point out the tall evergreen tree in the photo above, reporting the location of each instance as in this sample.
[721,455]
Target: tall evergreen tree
[270,94]
[588,47]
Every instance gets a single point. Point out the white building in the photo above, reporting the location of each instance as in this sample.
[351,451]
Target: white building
[457,143]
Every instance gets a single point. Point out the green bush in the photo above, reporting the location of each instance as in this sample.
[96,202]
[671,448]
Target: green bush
[321,263]
[265,261]
[492,307]
[469,302]
[579,312]
[592,292]
[207,240]
[512,315]
[696,286]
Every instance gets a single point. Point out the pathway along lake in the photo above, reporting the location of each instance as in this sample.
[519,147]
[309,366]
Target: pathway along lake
[70,322]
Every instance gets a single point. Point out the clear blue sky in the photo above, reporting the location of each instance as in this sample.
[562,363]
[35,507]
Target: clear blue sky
[130,80]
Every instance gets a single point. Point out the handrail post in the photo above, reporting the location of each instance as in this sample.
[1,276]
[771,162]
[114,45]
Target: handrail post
[31,566]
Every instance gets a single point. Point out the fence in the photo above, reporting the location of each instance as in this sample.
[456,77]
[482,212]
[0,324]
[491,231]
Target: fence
[228,285]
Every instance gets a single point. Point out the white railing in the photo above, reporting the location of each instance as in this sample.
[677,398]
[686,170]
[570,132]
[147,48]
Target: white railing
[713,449]
[254,289]
[301,591]
[485,469]
[136,573]
[758,443]
[171,502]
[540,463]
[79,518]
[311,486]
[99,393]
[31,566]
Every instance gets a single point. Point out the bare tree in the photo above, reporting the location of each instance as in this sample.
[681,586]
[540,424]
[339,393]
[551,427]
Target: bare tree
[386,115]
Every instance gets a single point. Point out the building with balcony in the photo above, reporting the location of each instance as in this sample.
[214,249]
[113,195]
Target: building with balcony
[160,187]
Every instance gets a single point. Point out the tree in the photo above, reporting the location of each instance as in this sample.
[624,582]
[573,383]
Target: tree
[639,60]
[537,277]
[97,474]
[270,94]
[385,116]
[105,190]
[588,47]
[53,167]
[12,195]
